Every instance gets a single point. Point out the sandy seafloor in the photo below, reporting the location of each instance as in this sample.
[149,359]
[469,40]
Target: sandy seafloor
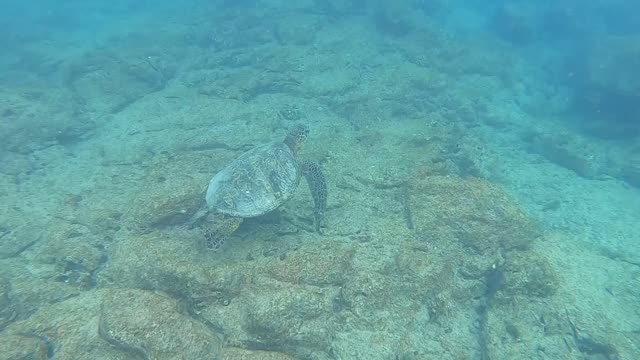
[438,171]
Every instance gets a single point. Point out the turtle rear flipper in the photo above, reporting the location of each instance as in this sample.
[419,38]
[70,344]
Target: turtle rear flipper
[213,241]
[219,228]
[318,186]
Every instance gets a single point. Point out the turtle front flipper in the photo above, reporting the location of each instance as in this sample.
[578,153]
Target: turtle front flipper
[318,186]
[218,229]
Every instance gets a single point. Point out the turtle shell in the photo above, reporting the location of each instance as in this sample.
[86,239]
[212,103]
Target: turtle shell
[258,181]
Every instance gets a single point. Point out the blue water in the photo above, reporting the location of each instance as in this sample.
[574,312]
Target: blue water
[481,160]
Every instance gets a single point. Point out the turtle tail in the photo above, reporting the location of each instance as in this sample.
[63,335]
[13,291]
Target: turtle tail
[318,186]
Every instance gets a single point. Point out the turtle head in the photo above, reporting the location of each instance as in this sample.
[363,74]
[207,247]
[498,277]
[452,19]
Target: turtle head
[296,137]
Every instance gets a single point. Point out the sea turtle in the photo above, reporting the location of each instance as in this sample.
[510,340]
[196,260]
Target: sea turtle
[259,181]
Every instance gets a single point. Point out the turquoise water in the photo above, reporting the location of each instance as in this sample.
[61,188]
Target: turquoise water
[481,162]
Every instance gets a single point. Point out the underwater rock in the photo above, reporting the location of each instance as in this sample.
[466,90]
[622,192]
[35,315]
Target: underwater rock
[420,276]
[23,347]
[480,215]
[111,324]
[172,190]
[264,303]
[569,151]
[106,82]
[244,354]
[172,262]
[313,265]
[16,164]
[294,319]
[630,171]
[8,311]
[335,288]
[529,274]
[67,258]
[408,289]
[32,119]
[149,324]
[31,288]
[73,250]
[17,235]
[63,330]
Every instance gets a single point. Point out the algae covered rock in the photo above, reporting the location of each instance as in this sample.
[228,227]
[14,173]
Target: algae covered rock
[286,303]
[110,324]
[64,330]
[244,354]
[569,151]
[17,233]
[297,319]
[171,262]
[23,347]
[313,265]
[630,169]
[74,251]
[8,311]
[172,190]
[149,324]
[106,82]
[37,117]
[529,274]
[478,214]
